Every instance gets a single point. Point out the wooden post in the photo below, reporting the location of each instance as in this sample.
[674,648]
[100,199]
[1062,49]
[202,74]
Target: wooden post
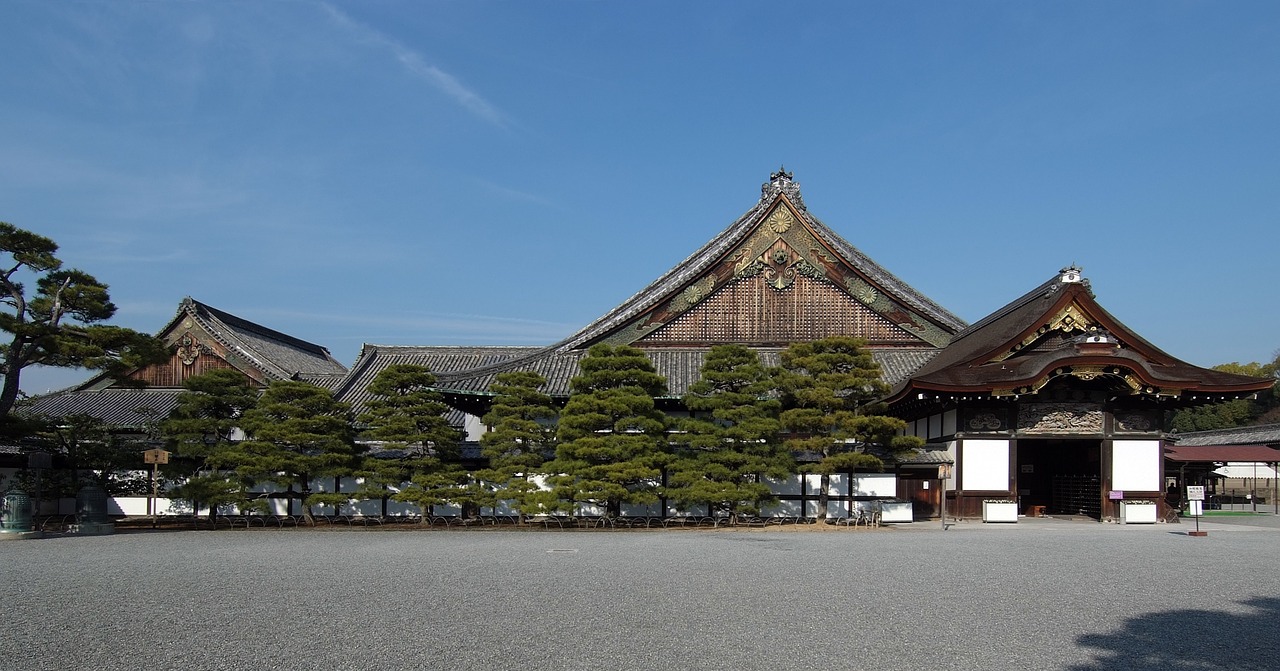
[155,458]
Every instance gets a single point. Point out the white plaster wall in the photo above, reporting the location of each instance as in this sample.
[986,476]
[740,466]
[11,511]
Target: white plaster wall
[137,505]
[838,484]
[984,465]
[790,485]
[875,484]
[952,450]
[837,509]
[1135,465]
[473,427]
[781,509]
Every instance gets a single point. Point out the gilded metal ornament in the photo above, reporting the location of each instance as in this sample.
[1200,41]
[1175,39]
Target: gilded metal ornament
[780,220]
[188,350]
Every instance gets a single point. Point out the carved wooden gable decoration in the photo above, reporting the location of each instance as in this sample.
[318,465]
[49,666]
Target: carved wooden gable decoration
[195,351]
[204,338]
[783,278]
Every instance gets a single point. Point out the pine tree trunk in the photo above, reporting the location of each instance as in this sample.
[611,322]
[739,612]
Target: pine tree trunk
[823,497]
[9,392]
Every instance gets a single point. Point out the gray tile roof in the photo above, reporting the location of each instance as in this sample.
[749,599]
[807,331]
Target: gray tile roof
[439,360]
[126,408]
[1262,434]
[925,456]
[278,354]
[679,365]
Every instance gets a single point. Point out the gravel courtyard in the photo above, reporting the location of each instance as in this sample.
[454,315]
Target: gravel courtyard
[1038,595]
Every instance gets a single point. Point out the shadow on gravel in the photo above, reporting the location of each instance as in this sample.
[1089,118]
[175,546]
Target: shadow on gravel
[1190,639]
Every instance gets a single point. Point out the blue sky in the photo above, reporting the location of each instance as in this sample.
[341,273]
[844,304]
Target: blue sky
[399,172]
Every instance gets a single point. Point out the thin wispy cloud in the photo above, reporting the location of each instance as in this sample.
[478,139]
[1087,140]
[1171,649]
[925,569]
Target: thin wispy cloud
[416,65]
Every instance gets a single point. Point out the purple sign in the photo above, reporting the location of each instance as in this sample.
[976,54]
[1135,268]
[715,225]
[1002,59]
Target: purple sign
[1115,495]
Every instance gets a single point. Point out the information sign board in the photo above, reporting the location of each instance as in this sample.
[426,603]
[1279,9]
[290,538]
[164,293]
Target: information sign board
[1195,492]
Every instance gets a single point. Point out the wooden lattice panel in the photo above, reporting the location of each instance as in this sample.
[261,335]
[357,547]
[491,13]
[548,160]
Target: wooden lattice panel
[749,311]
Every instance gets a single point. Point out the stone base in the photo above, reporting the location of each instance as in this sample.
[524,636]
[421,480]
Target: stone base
[91,529]
[1198,534]
[6,535]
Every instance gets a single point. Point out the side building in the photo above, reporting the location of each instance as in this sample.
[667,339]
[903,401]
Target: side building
[202,338]
[1050,405]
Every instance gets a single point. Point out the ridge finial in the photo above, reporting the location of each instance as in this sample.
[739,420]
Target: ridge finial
[782,182]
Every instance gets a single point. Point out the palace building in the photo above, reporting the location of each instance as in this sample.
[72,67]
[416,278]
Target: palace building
[1050,404]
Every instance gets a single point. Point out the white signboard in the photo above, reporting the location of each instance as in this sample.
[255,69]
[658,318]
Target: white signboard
[1195,492]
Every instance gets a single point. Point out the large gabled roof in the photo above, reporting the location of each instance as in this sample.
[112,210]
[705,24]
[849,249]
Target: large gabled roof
[1057,329]
[835,290]
[772,219]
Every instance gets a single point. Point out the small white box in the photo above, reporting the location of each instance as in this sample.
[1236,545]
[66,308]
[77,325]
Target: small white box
[999,511]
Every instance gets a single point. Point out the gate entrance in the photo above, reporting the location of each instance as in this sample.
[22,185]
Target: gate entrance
[1062,475]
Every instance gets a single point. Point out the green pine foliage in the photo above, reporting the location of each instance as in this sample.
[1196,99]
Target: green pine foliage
[202,431]
[829,390]
[521,437]
[732,439]
[92,453]
[298,432]
[612,436]
[419,450]
[59,321]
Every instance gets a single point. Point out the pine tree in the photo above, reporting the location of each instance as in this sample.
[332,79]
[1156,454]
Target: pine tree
[419,447]
[612,436]
[59,321]
[829,391]
[93,453]
[202,431]
[298,432]
[732,440]
[522,435]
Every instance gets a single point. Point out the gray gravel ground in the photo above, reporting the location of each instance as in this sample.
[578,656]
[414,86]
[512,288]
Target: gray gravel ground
[1041,594]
